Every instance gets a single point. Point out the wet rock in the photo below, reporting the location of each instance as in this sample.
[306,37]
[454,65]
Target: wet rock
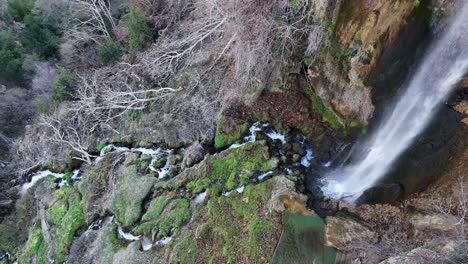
[175,159]
[298,149]
[342,230]
[174,170]
[160,162]
[130,191]
[284,197]
[434,221]
[384,193]
[193,154]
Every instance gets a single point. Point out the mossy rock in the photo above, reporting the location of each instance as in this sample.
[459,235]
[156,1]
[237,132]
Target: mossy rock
[130,191]
[185,251]
[229,131]
[34,251]
[234,166]
[327,115]
[239,228]
[93,188]
[161,219]
[65,217]
[160,162]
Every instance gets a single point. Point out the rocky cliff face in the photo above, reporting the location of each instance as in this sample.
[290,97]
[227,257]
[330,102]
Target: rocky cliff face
[227,170]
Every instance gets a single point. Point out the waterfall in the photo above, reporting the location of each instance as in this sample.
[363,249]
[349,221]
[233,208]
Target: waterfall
[443,66]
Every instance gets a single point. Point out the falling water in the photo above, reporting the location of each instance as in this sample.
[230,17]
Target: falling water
[443,66]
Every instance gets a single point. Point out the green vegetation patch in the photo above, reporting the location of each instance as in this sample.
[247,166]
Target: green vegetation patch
[93,186]
[130,191]
[63,86]
[12,58]
[227,133]
[172,217]
[327,115]
[136,27]
[185,251]
[19,9]
[110,52]
[34,250]
[234,166]
[302,241]
[65,217]
[155,208]
[234,229]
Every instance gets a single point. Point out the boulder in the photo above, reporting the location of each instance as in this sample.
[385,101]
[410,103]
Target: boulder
[341,230]
[193,154]
[285,198]
[434,221]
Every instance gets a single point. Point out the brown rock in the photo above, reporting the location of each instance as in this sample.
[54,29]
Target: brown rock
[342,230]
[284,197]
[434,221]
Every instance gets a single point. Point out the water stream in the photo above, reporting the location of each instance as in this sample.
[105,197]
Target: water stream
[443,66]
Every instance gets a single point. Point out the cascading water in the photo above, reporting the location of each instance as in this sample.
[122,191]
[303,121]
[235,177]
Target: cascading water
[443,66]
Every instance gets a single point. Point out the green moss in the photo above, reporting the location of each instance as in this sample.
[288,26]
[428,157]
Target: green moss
[67,178]
[342,53]
[396,6]
[35,248]
[234,166]
[252,156]
[64,230]
[185,251]
[177,213]
[56,213]
[354,124]
[327,115]
[155,208]
[160,162]
[129,193]
[198,185]
[93,186]
[307,62]
[227,135]
[237,229]
[101,145]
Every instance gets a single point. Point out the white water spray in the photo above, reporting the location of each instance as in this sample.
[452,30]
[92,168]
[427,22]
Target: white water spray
[443,66]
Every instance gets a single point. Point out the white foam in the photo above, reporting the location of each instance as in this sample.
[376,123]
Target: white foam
[264,175]
[200,198]
[305,161]
[146,243]
[276,135]
[127,236]
[163,241]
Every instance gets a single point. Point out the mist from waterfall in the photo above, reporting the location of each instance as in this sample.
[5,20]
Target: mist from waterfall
[443,66]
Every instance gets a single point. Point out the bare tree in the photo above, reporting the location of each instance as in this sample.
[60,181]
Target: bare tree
[92,19]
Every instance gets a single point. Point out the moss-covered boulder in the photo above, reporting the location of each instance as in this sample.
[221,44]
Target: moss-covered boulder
[235,166]
[233,229]
[34,250]
[130,191]
[94,188]
[229,131]
[59,217]
[164,218]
